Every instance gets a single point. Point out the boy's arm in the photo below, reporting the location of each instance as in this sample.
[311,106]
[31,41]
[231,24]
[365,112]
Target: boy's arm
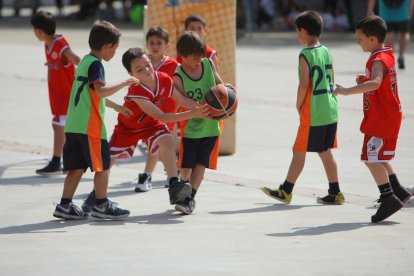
[370,85]
[303,83]
[71,56]
[371,5]
[152,110]
[182,100]
[118,108]
[216,74]
[104,91]
[216,61]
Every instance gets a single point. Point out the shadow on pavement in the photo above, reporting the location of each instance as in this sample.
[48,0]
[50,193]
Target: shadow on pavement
[269,208]
[330,228]
[58,226]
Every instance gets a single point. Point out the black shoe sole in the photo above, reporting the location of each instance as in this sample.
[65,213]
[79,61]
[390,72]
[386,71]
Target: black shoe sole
[60,215]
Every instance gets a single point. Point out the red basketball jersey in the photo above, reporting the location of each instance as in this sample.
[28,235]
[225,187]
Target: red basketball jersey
[382,109]
[210,53]
[140,120]
[61,73]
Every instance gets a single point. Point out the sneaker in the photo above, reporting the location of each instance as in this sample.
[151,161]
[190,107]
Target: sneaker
[178,191]
[401,63]
[144,183]
[402,193]
[278,194]
[389,205]
[50,169]
[332,199]
[89,202]
[108,210]
[69,211]
[187,206]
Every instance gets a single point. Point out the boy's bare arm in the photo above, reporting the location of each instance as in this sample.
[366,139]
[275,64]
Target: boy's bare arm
[71,56]
[364,86]
[104,91]
[217,62]
[182,100]
[303,83]
[152,110]
[118,108]
[216,74]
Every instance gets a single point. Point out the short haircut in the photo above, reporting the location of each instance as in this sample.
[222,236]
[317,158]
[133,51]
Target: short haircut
[45,21]
[159,32]
[190,43]
[194,18]
[311,21]
[373,26]
[131,54]
[102,33]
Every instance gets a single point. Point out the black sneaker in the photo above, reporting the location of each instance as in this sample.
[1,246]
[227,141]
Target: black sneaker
[178,191]
[144,183]
[332,199]
[89,202]
[51,169]
[108,210]
[402,193]
[69,211]
[401,63]
[389,205]
[187,206]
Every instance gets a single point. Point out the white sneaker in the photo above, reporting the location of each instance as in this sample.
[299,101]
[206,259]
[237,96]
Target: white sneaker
[144,183]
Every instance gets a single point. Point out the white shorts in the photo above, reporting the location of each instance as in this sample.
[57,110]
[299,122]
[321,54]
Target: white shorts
[377,149]
[59,120]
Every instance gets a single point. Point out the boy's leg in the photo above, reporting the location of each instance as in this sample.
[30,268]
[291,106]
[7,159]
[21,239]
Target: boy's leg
[334,193]
[71,183]
[100,184]
[59,140]
[296,166]
[389,202]
[402,193]
[404,39]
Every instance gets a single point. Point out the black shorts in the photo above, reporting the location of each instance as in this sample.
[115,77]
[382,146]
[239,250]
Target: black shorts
[398,26]
[82,152]
[202,151]
[315,138]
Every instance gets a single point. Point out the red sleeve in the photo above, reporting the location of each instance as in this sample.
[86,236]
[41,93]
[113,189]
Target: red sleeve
[137,92]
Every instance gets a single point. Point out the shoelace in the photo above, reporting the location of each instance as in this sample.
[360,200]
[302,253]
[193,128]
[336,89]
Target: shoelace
[112,205]
[77,210]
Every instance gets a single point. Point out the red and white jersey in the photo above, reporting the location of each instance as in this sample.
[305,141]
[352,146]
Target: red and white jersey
[168,66]
[139,120]
[210,53]
[61,73]
[382,108]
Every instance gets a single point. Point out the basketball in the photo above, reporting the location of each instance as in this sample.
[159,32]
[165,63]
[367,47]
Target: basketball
[222,101]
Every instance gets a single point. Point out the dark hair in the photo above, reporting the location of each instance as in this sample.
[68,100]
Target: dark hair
[194,18]
[159,32]
[102,33]
[373,26]
[45,21]
[190,43]
[129,55]
[311,21]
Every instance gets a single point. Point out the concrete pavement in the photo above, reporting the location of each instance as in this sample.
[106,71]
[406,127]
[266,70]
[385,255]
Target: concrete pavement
[235,230]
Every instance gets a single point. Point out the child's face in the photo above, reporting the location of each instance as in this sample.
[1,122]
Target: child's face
[157,47]
[141,68]
[366,42]
[108,51]
[192,62]
[198,27]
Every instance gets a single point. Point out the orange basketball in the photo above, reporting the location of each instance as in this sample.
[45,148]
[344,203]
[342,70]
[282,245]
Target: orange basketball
[222,101]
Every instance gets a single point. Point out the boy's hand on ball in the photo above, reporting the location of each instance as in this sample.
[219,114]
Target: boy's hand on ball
[202,111]
[231,87]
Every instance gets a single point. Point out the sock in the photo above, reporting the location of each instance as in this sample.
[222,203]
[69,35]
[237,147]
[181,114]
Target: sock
[394,181]
[100,201]
[288,187]
[55,159]
[172,180]
[385,190]
[65,201]
[193,193]
[334,188]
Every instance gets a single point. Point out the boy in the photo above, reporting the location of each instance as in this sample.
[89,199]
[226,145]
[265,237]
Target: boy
[318,112]
[86,139]
[158,43]
[61,61]
[201,137]
[148,121]
[382,114]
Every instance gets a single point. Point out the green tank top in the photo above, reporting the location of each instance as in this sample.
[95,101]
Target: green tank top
[86,110]
[196,90]
[323,106]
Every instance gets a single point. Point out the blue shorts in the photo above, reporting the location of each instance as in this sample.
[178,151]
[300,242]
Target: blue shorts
[82,152]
